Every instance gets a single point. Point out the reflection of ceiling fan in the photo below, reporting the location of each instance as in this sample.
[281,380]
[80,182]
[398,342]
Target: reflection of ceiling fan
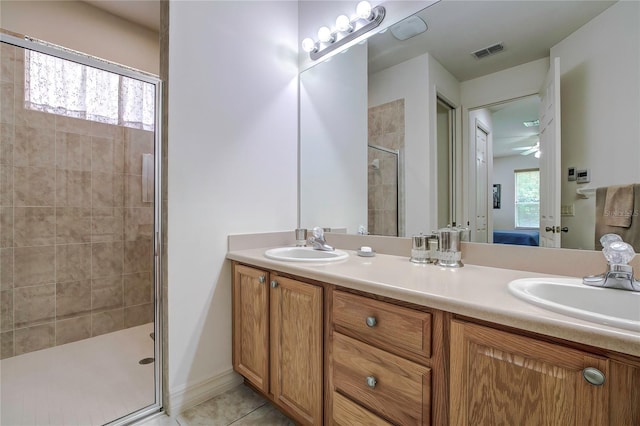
[527,150]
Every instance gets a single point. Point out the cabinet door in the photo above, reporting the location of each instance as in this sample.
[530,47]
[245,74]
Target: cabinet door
[251,325]
[296,348]
[502,378]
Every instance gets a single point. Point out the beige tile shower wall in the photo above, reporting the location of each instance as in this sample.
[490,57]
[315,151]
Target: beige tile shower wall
[386,129]
[75,236]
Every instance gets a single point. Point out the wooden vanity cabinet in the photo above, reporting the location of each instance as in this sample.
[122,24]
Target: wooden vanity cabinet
[392,363]
[498,377]
[251,325]
[382,363]
[277,340]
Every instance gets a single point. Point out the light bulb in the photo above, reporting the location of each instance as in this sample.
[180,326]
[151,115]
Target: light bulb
[308,45]
[324,34]
[343,24]
[363,10]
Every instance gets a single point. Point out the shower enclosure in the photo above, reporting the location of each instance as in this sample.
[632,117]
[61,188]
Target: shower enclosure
[79,229]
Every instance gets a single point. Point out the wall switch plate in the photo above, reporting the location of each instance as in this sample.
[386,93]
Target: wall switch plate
[568,210]
[571,174]
[583,176]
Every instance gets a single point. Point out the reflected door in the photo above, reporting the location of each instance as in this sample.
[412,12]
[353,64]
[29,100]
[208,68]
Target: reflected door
[482,185]
[550,158]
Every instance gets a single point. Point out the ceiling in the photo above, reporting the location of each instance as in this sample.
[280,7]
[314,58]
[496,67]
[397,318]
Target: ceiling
[510,135]
[528,30]
[142,12]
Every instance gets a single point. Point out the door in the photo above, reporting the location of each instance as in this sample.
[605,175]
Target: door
[445,133]
[251,325]
[550,158]
[480,230]
[296,348]
[500,378]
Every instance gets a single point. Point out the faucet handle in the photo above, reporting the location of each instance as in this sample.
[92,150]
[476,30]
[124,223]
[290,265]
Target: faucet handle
[618,253]
[318,233]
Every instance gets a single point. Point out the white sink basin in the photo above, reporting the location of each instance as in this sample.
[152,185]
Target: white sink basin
[305,254]
[617,308]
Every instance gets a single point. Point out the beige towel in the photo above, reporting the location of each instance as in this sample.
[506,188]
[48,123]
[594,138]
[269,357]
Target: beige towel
[631,234]
[618,206]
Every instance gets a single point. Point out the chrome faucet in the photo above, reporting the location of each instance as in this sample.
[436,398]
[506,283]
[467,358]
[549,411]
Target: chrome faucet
[620,273]
[317,241]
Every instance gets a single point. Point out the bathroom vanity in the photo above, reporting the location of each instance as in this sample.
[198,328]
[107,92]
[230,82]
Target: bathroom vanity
[381,340]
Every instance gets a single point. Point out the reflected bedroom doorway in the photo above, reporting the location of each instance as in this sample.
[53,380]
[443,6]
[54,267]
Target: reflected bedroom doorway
[513,145]
[80,217]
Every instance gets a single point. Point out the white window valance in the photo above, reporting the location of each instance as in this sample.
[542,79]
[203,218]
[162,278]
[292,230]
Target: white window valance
[58,86]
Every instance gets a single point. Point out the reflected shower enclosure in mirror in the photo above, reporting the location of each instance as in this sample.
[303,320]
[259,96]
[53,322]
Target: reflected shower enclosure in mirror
[598,43]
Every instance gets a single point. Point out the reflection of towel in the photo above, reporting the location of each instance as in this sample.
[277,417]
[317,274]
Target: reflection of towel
[631,234]
[618,206]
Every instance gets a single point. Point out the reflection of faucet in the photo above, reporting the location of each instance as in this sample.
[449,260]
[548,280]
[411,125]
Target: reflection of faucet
[318,242]
[620,274]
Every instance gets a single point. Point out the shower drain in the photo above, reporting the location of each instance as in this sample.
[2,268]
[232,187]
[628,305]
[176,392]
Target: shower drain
[145,361]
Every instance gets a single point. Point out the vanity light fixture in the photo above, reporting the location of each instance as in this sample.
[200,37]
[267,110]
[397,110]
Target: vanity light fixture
[366,19]
[343,24]
[325,35]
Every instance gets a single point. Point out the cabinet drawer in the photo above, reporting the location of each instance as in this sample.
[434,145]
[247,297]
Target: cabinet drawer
[393,387]
[403,331]
[348,413]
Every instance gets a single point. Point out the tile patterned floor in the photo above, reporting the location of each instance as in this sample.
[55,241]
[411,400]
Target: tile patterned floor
[240,406]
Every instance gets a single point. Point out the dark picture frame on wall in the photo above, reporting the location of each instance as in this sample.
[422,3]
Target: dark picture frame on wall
[497,192]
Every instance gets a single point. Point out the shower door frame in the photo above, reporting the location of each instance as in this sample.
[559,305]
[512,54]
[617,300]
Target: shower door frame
[90,61]
[400,214]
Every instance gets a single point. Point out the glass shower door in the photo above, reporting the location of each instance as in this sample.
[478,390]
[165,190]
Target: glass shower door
[78,221]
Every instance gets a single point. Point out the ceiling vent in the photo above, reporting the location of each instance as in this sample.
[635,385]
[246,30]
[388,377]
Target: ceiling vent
[488,51]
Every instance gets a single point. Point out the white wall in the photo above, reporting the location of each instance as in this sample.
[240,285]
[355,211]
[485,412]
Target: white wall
[333,126]
[418,81]
[512,83]
[232,163]
[409,80]
[503,174]
[80,26]
[600,116]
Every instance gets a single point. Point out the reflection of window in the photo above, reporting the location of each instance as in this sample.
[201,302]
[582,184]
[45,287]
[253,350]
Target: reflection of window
[58,86]
[527,198]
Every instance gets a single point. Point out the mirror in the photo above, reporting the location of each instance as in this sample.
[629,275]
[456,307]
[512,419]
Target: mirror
[441,84]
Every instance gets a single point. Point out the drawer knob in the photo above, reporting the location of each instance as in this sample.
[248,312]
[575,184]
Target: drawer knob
[261,279]
[274,284]
[593,376]
[371,382]
[371,321]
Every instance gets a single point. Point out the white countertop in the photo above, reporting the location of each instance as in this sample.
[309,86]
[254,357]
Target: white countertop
[475,291]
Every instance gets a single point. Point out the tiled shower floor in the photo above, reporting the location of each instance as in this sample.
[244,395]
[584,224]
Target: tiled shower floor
[89,382]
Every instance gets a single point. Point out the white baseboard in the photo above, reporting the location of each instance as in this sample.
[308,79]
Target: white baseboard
[192,394]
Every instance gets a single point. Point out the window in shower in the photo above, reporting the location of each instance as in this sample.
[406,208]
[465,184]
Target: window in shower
[58,86]
[78,218]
